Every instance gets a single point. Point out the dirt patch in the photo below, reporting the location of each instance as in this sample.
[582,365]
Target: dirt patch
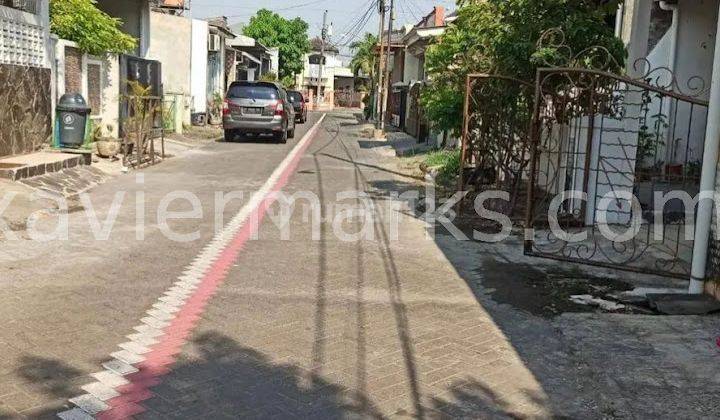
[545,293]
[198,134]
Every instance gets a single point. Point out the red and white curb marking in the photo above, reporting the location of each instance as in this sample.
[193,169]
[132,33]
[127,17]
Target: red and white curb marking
[118,390]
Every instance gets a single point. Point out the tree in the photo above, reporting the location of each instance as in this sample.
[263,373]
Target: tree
[93,30]
[365,59]
[501,37]
[289,36]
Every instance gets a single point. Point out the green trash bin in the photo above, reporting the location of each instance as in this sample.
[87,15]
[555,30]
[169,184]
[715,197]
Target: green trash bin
[72,121]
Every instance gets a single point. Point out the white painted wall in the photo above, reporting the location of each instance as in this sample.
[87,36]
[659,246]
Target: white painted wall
[274,60]
[110,77]
[171,44]
[695,45]
[199,66]
[30,32]
[411,68]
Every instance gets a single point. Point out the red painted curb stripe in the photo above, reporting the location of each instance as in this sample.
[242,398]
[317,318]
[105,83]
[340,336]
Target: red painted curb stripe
[164,353]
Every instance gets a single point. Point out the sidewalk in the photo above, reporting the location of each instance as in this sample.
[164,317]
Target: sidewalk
[69,183]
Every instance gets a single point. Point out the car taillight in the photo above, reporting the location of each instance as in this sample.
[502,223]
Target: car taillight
[226,107]
[280,108]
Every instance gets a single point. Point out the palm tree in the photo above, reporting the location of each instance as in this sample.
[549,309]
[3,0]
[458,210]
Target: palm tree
[365,60]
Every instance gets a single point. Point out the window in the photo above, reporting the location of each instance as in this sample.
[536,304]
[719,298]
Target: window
[295,97]
[317,58]
[262,92]
[30,6]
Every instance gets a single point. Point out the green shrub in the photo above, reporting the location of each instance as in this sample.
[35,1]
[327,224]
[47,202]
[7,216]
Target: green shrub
[93,30]
[501,37]
[447,163]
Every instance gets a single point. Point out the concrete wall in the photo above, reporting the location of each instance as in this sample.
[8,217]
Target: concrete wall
[636,30]
[274,60]
[171,44]
[411,68]
[199,66]
[695,40]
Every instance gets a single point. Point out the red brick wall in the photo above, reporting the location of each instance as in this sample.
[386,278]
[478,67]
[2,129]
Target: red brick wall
[73,70]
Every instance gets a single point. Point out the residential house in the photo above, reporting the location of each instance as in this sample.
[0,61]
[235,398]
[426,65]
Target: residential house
[102,79]
[166,40]
[221,58]
[253,60]
[25,76]
[408,76]
[322,86]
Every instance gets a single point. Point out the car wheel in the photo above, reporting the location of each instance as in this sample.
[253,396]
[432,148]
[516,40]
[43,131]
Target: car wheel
[291,133]
[230,135]
[281,137]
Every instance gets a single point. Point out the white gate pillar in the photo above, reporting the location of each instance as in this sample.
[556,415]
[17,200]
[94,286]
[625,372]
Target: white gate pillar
[707,181]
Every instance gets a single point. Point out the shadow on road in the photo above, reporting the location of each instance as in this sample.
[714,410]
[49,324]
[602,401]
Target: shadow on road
[228,380]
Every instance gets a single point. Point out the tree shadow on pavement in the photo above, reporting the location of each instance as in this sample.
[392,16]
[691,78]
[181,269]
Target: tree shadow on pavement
[228,380]
[472,399]
[53,377]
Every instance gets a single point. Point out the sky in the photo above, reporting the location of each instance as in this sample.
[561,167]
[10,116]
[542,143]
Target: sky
[342,13]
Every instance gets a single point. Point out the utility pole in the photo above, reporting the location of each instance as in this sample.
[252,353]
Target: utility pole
[323,37]
[383,115]
[379,87]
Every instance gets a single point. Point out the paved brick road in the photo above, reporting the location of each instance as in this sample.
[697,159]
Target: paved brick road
[321,327]
[331,329]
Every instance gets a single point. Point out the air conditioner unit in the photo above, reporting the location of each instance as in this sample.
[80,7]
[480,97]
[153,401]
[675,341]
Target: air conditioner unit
[214,42]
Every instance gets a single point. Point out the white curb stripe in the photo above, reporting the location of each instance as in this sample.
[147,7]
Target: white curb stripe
[170,303]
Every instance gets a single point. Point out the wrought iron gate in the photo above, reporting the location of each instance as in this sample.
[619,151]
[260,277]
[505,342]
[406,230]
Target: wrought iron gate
[496,123]
[604,148]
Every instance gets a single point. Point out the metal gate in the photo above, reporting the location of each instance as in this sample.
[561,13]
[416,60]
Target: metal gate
[416,125]
[606,152]
[495,146]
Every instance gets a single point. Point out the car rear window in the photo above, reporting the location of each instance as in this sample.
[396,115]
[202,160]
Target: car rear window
[295,96]
[252,92]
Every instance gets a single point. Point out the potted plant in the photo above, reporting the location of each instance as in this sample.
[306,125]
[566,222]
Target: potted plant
[215,108]
[105,146]
[143,112]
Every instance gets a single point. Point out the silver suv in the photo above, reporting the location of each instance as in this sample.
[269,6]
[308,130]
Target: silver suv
[258,108]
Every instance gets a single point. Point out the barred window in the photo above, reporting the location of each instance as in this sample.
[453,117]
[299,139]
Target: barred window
[30,6]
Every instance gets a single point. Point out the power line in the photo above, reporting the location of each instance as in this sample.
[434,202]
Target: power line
[358,26]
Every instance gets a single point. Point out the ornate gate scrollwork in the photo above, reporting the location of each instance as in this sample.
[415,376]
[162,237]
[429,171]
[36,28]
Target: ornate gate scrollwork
[604,147]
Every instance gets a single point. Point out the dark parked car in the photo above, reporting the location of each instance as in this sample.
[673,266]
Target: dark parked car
[258,108]
[300,104]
